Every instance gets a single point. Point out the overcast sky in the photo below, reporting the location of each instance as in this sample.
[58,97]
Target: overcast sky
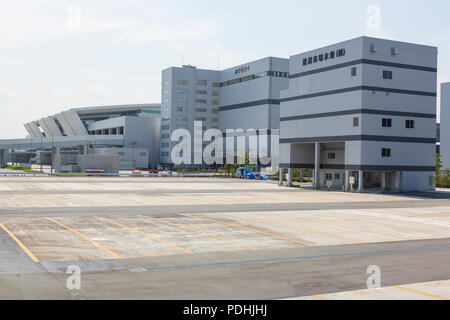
[56,54]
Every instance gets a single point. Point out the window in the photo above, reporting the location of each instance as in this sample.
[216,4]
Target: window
[182,109]
[353,72]
[410,124]
[182,100]
[387,75]
[121,153]
[165,136]
[215,93]
[386,153]
[182,118]
[332,155]
[386,123]
[202,82]
[216,84]
[215,110]
[215,120]
[200,109]
[215,102]
[201,101]
[201,92]
[182,127]
[165,127]
[329,176]
[200,119]
[337,176]
[356,122]
[164,145]
[164,154]
[183,91]
[182,82]
[143,154]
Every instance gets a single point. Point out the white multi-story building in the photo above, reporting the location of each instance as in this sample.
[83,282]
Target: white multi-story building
[128,131]
[243,97]
[445,125]
[362,114]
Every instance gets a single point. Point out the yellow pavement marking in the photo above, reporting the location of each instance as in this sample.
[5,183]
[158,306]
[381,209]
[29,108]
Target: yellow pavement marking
[11,198]
[296,227]
[145,234]
[54,201]
[320,297]
[251,229]
[339,225]
[203,232]
[362,230]
[86,238]
[421,292]
[24,248]
[433,234]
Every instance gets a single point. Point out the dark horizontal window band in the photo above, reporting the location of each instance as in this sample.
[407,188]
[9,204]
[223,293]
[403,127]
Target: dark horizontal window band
[358,88]
[364,61]
[359,167]
[361,111]
[359,138]
[249,104]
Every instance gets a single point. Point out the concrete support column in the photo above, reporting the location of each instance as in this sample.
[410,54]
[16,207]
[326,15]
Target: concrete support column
[360,181]
[317,167]
[346,180]
[56,159]
[280,182]
[290,178]
[398,181]
[383,182]
[85,149]
[3,158]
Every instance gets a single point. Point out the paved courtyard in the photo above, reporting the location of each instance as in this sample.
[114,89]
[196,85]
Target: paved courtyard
[216,228]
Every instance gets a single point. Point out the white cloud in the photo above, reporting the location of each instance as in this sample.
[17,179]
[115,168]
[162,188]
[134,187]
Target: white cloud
[9,93]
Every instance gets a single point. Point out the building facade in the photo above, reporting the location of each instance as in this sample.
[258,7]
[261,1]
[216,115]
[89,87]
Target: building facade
[362,114]
[128,131]
[445,125]
[243,97]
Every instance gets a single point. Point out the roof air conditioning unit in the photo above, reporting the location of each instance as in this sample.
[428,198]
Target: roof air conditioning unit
[395,51]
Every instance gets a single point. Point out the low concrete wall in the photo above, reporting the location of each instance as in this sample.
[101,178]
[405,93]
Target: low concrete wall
[80,163]
[107,163]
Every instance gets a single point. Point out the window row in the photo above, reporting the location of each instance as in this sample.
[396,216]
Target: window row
[105,132]
[329,176]
[256,76]
[387,123]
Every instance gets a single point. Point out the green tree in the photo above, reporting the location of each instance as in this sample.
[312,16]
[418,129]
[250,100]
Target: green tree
[438,164]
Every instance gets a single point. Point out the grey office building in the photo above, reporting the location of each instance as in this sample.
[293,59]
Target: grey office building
[362,114]
[243,97]
[445,125]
